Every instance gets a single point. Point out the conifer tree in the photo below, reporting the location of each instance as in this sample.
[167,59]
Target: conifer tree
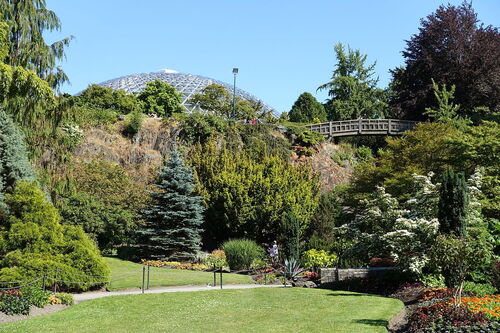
[172,230]
[453,200]
[14,163]
[352,90]
[27,21]
[291,235]
[307,109]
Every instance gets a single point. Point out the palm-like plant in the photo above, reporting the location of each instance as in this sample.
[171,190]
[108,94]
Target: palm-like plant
[291,269]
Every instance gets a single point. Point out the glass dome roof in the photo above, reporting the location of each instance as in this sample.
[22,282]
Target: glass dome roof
[186,84]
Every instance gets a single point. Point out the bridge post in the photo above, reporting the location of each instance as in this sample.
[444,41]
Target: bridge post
[330,133]
[359,125]
[389,128]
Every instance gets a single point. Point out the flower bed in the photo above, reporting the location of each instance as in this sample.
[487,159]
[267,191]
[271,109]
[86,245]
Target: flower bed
[439,311]
[15,301]
[489,304]
[174,265]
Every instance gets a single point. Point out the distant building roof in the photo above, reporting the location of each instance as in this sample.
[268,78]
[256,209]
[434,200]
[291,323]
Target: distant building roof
[186,84]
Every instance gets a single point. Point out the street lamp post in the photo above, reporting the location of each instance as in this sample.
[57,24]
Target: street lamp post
[235,71]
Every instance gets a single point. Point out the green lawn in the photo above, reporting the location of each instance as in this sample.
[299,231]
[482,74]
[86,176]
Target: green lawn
[250,310]
[129,275]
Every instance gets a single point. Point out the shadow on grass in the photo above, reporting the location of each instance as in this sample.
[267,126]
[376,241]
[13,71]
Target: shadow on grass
[371,322]
[355,294]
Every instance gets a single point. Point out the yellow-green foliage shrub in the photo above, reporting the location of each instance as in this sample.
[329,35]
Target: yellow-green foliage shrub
[315,259]
[248,197]
[216,259]
[66,299]
[35,243]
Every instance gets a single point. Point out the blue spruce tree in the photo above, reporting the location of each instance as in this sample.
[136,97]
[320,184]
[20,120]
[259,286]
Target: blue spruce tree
[14,163]
[173,220]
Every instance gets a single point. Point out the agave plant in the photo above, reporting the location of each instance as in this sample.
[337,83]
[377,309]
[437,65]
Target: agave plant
[292,268]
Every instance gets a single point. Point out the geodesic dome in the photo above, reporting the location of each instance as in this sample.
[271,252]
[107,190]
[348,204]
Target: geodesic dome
[186,84]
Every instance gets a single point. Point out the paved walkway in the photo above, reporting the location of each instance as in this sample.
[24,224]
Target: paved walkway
[158,290]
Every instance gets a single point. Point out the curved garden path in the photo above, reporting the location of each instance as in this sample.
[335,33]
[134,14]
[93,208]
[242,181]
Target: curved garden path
[158,290]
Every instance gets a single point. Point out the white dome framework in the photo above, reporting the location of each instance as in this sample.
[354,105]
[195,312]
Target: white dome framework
[186,84]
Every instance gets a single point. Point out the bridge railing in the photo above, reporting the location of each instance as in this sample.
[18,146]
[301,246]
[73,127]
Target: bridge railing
[362,127]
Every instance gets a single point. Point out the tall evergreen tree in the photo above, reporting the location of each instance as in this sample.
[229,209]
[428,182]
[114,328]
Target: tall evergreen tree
[14,163]
[353,90]
[27,21]
[173,220]
[23,95]
[291,236]
[453,200]
[307,109]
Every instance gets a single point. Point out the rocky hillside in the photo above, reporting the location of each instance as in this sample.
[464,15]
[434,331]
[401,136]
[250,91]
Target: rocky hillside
[331,173]
[145,151]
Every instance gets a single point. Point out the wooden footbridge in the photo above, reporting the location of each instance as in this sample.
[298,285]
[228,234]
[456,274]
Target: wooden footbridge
[362,127]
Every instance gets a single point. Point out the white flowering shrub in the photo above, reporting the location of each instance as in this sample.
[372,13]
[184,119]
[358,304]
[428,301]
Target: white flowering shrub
[474,189]
[73,134]
[405,232]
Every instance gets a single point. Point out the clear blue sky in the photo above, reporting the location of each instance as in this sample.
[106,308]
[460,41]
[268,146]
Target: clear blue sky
[282,48]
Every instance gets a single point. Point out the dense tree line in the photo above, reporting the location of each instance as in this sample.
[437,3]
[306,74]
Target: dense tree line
[452,48]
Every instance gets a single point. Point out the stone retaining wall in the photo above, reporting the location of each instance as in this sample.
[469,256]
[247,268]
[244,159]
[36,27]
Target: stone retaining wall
[333,274]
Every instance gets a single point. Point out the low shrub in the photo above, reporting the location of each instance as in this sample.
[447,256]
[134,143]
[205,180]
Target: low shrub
[363,154]
[315,259]
[259,264]
[216,259]
[92,116]
[54,300]
[134,123]
[304,136]
[342,158]
[433,280]
[479,289]
[36,296]
[310,138]
[381,262]
[240,253]
[199,128]
[66,299]
[199,267]
[266,278]
[34,242]
[12,302]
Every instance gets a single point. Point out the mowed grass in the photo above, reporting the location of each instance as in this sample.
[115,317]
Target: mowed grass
[249,310]
[129,275]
